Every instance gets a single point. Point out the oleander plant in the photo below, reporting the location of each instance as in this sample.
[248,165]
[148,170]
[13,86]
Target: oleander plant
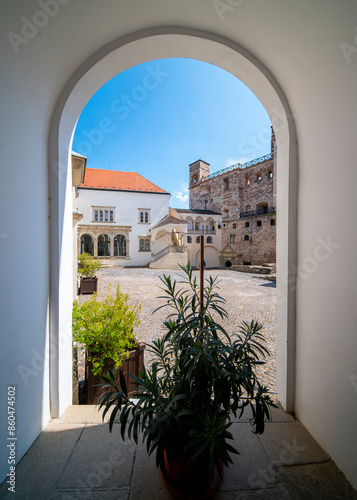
[200,379]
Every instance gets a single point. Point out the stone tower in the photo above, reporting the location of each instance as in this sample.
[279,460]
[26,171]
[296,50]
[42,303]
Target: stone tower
[198,170]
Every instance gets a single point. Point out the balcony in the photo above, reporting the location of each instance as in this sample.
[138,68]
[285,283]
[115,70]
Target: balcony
[260,211]
[201,231]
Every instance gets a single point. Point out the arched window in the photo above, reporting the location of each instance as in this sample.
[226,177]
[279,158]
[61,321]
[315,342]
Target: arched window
[189,239]
[87,244]
[209,239]
[142,245]
[147,246]
[259,176]
[119,245]
[197,239]
[247,180]
[103,245]
[246,237]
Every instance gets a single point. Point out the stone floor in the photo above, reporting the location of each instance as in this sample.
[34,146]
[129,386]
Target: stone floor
[248,297]
[76,458]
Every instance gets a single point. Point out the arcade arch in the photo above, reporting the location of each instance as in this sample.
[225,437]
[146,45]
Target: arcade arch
[115,57]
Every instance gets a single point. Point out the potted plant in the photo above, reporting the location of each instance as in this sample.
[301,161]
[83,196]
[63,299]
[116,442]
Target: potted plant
[87,267]
[199,380]
[106,330]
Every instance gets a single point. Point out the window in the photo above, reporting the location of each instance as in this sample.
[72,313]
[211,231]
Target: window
[247,224]
[232,238]
[197,239]
[144,245]
[246,237]
[259,176]
[144,216]
[103,215]
[189,239]
[87,244]
[247,180]
[270,174]
[209,239]
[226,184]
[234,225]
[272,222]
[103,245]
[119,245]
[259,223]
[248,208]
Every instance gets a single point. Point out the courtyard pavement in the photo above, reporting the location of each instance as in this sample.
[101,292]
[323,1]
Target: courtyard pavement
[247,298]
[76,457]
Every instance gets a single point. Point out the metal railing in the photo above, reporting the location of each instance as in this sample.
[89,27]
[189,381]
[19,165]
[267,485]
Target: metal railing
[240,166]
[201,231]
[259,211]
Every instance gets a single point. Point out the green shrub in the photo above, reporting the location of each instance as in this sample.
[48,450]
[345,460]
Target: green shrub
[87,265]
[106,328]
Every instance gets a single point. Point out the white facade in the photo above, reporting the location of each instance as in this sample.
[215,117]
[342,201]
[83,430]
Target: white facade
[300,60]
[126,208]
[208,225]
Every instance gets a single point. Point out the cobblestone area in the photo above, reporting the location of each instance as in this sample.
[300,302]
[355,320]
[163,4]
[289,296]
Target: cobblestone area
[247,298]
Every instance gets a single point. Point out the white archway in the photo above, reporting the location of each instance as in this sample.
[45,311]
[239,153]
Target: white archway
[117,56]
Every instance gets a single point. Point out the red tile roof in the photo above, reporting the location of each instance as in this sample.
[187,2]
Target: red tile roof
[96,178]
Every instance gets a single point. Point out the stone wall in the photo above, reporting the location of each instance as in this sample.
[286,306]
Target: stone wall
[245,196]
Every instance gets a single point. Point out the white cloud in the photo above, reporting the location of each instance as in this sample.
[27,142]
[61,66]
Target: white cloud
[182,198]
[232,161]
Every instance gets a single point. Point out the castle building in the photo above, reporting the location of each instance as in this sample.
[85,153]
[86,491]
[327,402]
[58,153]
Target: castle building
[245,196]
[125,220]
[119,209]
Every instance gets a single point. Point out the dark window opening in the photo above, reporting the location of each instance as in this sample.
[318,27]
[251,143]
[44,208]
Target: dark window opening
[87,244]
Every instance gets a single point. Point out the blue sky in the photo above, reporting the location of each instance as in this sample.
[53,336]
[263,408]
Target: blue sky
[158,117]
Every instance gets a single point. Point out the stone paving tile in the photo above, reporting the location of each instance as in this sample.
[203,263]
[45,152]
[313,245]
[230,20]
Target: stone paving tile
[247,297]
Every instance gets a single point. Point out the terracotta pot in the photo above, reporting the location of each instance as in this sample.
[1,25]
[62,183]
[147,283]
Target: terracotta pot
[131,366]
[190,481]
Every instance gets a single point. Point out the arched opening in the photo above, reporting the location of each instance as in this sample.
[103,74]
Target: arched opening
[116,57]
[119,245]
[103,245]
[87,244]
[228,263]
